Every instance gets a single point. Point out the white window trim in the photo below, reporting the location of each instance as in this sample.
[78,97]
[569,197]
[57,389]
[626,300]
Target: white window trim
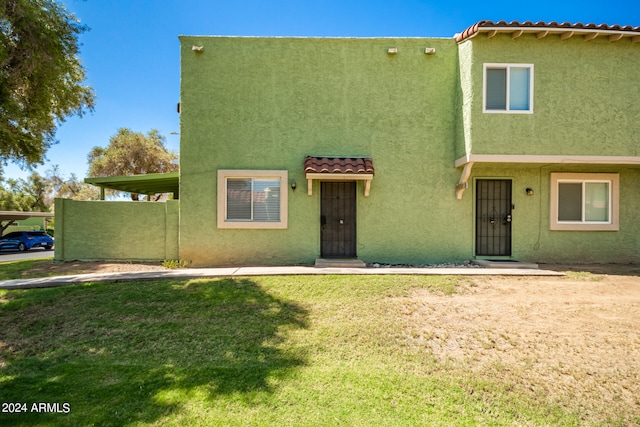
[224,174]
[614,202]
[506,66]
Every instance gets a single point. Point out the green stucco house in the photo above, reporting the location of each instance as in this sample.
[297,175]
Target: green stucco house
[509,141]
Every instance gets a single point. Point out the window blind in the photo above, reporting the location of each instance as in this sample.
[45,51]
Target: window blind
[266,200]
[239,199]
[496,95]
[253,199]
[519,88]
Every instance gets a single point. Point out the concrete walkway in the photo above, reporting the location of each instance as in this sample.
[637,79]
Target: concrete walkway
[193,273]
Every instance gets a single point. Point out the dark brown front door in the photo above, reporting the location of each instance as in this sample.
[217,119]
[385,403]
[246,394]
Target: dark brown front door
[338,220]
[493,217]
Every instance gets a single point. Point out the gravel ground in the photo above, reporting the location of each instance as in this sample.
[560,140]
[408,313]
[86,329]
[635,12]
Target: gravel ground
[464,264]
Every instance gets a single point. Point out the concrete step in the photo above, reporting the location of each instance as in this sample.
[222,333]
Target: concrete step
[503,263]
[340,263]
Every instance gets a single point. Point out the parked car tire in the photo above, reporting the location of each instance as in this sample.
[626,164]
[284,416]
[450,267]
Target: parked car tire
[48,248]
[21,247]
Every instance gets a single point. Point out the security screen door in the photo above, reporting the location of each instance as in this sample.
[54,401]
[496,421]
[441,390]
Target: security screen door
[493,217]
[338,220]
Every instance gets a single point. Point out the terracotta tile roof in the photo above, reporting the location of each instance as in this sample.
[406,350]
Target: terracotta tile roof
[551,28]
[356,165]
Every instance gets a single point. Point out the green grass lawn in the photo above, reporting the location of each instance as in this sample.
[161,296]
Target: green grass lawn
[24,269]
[273,351]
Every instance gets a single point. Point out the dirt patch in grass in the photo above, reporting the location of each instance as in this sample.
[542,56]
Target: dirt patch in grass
[47,267]
[572,341]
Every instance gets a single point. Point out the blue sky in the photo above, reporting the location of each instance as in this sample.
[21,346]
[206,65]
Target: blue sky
[131,53]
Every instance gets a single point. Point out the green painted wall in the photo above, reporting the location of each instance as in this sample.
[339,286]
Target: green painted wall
[172,229]
[585,96]
[266,103]
[468,104]
[100,230]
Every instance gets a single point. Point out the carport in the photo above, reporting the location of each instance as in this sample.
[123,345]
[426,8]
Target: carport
[148,184]
[9,217]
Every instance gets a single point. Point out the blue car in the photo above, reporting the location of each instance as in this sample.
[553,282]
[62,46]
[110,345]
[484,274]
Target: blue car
[26,240]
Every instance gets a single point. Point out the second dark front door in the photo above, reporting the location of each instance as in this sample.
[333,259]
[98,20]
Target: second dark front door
[493,217]
[338,220]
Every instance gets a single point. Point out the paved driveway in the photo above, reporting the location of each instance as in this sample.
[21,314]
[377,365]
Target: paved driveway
[36,253]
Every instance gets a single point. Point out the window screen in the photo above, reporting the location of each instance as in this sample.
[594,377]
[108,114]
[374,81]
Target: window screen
[570,202]
[519,88]
[596,196]
[496,89]
[239,199]
[253,199]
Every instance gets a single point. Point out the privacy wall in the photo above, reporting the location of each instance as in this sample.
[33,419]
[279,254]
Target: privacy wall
[102,230]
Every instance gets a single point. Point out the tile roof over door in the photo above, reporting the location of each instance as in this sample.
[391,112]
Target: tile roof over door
[338,165]
[339,168]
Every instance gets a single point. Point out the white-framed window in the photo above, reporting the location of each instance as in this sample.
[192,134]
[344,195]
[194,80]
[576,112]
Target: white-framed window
[508,88]
[584,201]
[252,198]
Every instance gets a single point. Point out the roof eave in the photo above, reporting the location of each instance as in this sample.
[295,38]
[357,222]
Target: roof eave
[542,30]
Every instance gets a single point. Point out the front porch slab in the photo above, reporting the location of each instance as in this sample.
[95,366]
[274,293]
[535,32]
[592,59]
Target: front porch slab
[340,263]
[504,263]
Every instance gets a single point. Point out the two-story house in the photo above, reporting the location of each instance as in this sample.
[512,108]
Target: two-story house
[509,141]
[551,140]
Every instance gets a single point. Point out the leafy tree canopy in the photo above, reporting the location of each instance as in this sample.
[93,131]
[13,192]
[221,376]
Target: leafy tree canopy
[24,195]
[68,188]
[132,153]
[40,77]
[37,193]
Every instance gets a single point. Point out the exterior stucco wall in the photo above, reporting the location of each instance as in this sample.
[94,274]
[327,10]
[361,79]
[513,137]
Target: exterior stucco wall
[464,141]
[256,103]
[585,97]
[266,103]
[100,230]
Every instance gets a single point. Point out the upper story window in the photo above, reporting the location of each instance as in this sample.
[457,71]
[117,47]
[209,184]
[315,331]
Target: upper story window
[508,88]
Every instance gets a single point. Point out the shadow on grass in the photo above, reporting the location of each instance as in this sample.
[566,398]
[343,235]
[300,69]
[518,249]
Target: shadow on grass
[139,351]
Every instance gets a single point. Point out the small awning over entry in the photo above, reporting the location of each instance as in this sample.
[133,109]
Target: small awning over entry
[339,169]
